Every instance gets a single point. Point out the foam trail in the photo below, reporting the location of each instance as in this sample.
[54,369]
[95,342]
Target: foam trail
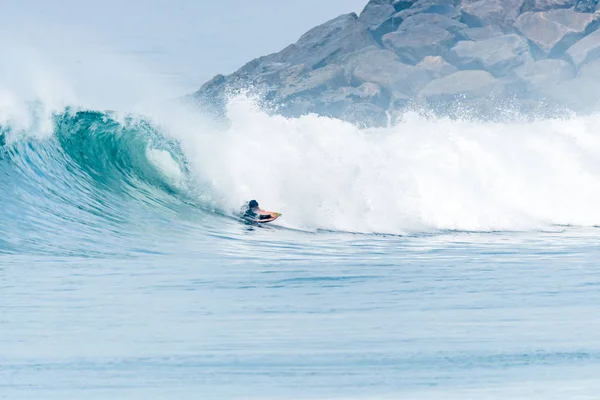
[420,175]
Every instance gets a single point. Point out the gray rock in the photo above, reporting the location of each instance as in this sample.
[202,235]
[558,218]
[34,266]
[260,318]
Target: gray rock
[554,31]
[328,42]
[544,73]
[509,52]
[545,5]
[500,13]
[585,50]
[437,66]
[414,44]
[451,55]
[343,97]
[399,101]
[385,69]
[369,55]
[484,33]
[581,94]
[401,5]
[588,6]
[365,115]
[590,71]
[375,14]
[462,84]
[440,21]
[313,82]
[443,7]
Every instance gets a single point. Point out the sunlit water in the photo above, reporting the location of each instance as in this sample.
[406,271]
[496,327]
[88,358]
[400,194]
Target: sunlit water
[434,259]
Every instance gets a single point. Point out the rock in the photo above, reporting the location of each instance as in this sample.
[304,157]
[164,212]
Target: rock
[554,31]
[399,101]
[365,115]
[443,7]
[401,5]
[313,82]
[544,73]
[440,21]
[581,94]
[211,96]
[585,50]
[449,54]
[370,55]
[385,69]
[437,66]
[545,5]
[462,84]
[590,71]
[413,44]
[509,52]
[587,6]
[326,43]
[375,14]
[337,100]
[476,34]
[500,13]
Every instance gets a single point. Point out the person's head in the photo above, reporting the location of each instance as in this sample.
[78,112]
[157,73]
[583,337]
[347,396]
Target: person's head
[253,204]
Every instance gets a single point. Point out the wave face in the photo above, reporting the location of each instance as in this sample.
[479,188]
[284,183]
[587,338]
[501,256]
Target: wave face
[71,170]
[98,170]
[94,180]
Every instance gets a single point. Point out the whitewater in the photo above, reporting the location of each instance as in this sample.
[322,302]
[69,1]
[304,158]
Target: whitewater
[431,259]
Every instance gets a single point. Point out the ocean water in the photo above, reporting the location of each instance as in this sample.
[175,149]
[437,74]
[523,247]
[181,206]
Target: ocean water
[433,259]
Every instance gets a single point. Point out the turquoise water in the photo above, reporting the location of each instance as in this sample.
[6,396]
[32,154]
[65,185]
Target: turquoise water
[115,284]
[434,259]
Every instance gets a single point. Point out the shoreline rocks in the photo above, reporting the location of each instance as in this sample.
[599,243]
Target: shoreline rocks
[538,55]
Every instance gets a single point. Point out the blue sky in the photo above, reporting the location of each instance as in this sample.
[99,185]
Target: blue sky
[190,40]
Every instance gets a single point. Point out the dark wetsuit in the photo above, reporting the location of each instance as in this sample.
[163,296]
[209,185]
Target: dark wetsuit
[252,215]
[249,214]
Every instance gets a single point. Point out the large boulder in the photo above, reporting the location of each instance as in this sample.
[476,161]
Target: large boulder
[438,20]
[499,13]
[437,66]
[404,9]
[544,73]
[443,7]
[343,97]
[313,82]
[580,94]
[588,6]
[365,115]
[585,50]
[384,68]
[376,13]
[590,71]
[328,42]
[482,33]
[462,84]
[415,43]
[497,55]
[545,5]
[554,31]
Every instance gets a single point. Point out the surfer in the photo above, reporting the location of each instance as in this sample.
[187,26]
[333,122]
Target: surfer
[253,212]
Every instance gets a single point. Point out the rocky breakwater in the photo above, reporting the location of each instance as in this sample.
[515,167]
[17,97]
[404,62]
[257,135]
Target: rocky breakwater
[450,57]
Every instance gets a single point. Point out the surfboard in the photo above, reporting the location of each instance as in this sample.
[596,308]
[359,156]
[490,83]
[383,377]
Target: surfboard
[274,216]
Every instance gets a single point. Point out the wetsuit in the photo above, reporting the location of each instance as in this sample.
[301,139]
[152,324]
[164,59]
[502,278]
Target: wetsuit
[252,215]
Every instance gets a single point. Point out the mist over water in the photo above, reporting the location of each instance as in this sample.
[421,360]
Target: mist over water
[434,258]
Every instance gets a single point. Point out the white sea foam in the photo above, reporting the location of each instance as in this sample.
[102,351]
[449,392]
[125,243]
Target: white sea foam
[422,174]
